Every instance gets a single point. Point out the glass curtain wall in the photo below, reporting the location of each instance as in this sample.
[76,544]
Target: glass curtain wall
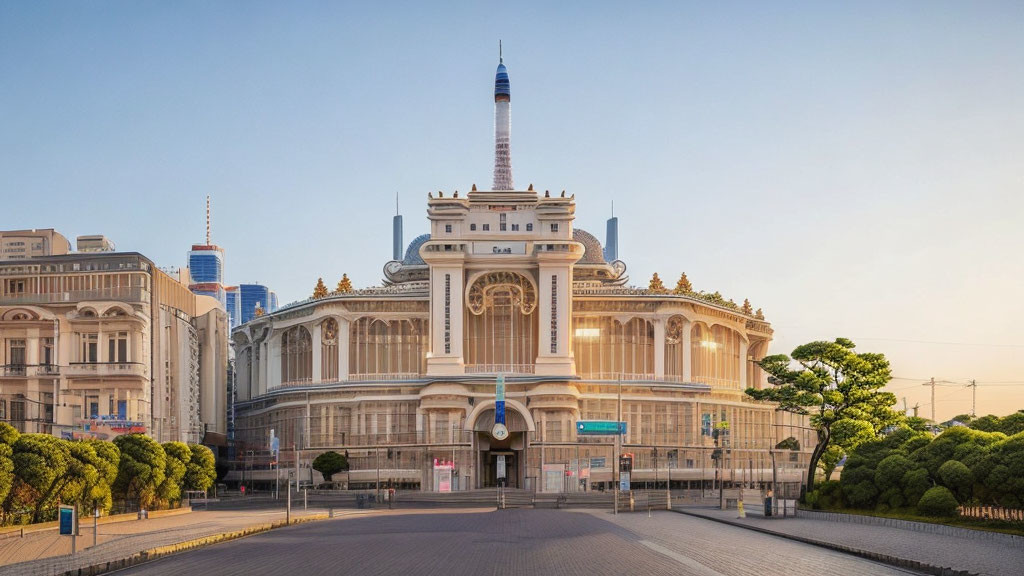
[606,349]
[502,337]
[381,346]
[716,356]
[296,355]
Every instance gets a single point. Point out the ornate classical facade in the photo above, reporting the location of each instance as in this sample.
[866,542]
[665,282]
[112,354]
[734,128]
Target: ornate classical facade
[402,377]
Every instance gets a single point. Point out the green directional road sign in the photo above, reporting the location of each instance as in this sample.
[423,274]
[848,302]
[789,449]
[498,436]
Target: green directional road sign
[599,427]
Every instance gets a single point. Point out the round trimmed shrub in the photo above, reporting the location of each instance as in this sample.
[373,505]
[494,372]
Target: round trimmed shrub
[938,501]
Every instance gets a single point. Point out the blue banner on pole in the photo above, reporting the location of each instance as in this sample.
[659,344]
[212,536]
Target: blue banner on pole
[499,400]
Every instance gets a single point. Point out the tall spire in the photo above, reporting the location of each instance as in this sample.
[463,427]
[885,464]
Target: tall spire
[207,219]
[502,127]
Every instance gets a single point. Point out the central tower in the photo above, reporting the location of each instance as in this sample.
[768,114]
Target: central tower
[502,127]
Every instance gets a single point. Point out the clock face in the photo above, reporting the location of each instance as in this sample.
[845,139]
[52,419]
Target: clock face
[500,432]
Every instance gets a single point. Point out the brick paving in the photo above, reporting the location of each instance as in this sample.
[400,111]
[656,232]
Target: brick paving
[514,542]
[980,556]
[46,553]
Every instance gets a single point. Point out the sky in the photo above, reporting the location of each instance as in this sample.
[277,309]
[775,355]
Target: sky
[853,169]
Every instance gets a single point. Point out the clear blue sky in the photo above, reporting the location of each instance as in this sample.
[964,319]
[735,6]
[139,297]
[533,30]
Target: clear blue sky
[855,170]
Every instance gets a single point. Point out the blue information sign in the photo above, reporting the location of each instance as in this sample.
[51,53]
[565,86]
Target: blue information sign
[600,428]
[499,400]
[67,520]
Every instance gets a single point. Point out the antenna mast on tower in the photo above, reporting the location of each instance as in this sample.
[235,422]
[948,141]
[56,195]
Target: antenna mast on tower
[207,219]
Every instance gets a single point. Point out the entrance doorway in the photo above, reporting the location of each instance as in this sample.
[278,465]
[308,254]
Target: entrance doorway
[500,469]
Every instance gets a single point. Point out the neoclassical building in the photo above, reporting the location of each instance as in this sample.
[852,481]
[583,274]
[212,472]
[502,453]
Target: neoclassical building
[403,376]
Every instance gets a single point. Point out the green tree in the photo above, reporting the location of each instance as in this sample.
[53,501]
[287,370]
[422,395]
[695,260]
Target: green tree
[141,468]
[915,483]
[329,464]
[8,436]
[98,494]
[201,470]
[82,474]
[840,389]
[40,464]
[1000,473]
[830,458]
[178,456]
[957,477]
[938,501]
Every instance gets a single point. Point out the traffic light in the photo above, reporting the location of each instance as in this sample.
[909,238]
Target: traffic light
[626,463]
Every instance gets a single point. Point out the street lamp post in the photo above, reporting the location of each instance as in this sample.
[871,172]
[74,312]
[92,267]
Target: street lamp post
[618,445]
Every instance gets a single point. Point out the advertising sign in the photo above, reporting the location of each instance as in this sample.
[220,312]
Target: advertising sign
[624,481]
[67,520]
[104,428]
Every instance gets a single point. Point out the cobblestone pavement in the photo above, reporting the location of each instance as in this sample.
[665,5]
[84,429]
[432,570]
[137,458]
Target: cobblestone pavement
[988,557]
[515,542]
[44,553]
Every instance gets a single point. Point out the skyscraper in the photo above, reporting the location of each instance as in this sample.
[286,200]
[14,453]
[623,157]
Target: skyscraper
[234,305]
[502,127]
[206,266]
[251,296]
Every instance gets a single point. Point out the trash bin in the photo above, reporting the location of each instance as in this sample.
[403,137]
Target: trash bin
[768,506]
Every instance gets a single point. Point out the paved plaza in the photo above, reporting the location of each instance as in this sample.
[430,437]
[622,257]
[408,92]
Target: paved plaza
[514,542]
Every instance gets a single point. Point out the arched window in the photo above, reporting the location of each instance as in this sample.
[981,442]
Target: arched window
[674,349]
[716,356]
[606,349]
[329,350]
[501,327]
[393,347]
[296,355]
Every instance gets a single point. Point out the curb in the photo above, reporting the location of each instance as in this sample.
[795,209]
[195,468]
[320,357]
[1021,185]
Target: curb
[159,552]
[866,554]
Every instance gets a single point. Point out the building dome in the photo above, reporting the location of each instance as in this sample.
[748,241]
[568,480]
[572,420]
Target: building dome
[594,254]
[412,253]
[501,83]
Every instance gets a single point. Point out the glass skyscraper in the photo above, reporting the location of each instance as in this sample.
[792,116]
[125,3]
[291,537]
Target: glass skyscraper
[206,268]
[250,296]
[234,305]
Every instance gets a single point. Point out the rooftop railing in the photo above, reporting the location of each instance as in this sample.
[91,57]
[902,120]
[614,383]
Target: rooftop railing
[120,294]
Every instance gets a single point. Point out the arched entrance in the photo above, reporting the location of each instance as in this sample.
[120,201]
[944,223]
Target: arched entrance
[494,456]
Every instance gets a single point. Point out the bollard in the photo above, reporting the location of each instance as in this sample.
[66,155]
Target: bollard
[305,501]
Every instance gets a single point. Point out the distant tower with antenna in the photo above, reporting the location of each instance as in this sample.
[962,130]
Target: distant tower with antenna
[611,238]
[206,266]
[502,127]
[396,233]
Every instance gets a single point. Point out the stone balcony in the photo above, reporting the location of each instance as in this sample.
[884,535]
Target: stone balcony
[86,370]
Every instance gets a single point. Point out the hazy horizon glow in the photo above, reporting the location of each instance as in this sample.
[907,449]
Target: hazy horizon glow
[853,170]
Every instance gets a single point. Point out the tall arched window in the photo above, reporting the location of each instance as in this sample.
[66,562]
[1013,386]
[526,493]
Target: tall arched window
[329,350]
[501,327]
[716,356]
[607,350]
[296,355]
[395,347]
[674,349]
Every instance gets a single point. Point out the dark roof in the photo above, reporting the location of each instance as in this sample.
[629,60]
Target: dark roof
[594,254]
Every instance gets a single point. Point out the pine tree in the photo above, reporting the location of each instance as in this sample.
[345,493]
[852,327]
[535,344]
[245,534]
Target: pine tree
[344,285]
[683,286]
[321,290]
[656,285]
[747,309]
